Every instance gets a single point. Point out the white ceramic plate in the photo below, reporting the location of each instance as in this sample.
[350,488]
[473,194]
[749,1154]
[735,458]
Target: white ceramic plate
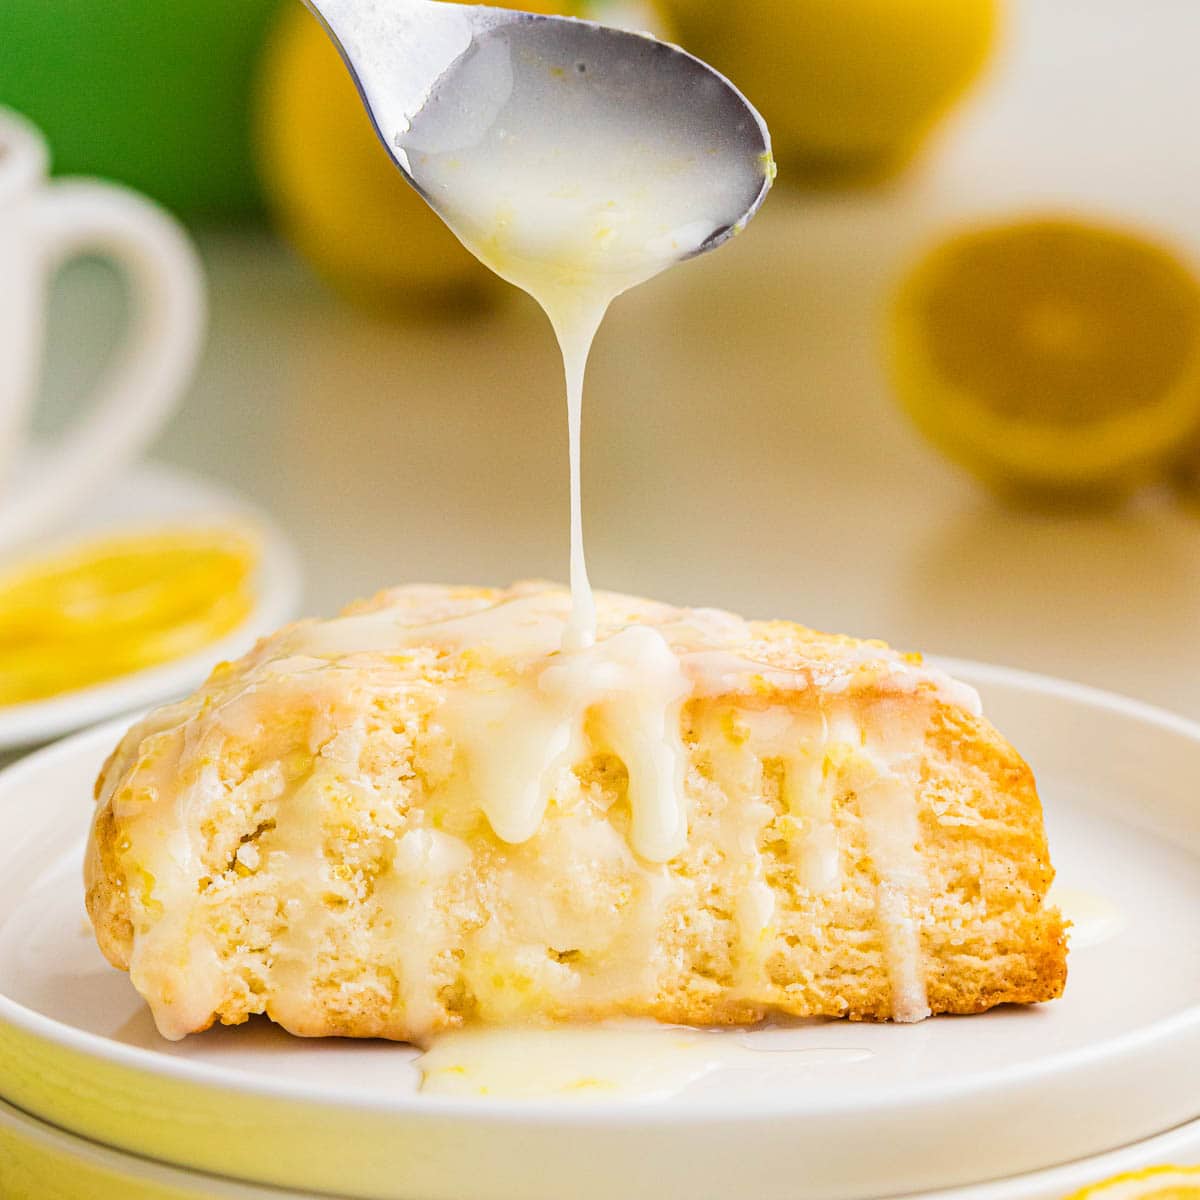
[38,1161]
[149,495]
[946,1103]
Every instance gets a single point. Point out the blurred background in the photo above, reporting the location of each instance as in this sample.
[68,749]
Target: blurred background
[945,391]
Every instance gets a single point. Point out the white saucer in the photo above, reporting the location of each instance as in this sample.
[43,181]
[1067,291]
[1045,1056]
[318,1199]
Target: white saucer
[947,1103]
[150,494]
[32,1154]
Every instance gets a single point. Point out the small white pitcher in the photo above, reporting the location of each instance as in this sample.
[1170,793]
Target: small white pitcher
[42,224]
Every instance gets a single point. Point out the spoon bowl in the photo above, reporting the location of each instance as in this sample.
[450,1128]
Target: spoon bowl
[440,79]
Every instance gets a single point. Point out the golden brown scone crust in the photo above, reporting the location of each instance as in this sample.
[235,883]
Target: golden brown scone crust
[307,810]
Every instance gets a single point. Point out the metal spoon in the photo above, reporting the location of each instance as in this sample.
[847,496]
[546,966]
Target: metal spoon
[417,64]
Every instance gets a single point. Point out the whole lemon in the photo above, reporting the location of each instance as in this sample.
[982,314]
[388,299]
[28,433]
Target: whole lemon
[849,88]
[335,191]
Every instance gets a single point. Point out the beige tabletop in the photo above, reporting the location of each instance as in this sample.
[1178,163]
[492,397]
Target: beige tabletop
[742,448]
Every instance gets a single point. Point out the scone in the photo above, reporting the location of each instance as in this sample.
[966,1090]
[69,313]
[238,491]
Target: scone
[423,814]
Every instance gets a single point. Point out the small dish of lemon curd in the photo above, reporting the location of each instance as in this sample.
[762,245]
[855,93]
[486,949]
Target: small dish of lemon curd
[110,606]
[128,612]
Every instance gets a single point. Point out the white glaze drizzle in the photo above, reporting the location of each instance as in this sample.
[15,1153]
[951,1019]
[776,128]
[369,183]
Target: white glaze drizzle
[521,715]
[616,1060]
[882,768]
[575,337]
[808,790]
[520,730]
[1094,918]
[423,863]
[536,170]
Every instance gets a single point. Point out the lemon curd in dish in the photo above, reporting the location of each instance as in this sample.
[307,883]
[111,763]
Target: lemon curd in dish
[105,608]
[425,814]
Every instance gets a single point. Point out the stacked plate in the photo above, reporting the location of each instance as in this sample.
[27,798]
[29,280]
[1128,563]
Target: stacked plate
[1015,1104]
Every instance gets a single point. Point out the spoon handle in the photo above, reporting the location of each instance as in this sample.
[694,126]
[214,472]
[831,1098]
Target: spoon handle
[396,50]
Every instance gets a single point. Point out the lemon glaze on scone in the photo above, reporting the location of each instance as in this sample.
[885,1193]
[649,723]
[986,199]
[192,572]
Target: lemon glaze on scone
[421,815]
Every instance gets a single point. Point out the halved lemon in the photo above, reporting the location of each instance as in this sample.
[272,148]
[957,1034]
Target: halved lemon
[1154,1183]
[109,607]
[1051,354]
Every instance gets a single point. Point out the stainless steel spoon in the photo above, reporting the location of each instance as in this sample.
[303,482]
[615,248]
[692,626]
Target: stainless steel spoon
[415,64]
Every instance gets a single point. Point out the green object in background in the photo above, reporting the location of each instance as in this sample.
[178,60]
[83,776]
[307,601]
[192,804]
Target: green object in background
[152,93]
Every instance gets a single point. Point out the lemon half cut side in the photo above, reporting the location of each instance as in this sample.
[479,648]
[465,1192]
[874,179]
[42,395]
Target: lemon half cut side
[1050,354]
